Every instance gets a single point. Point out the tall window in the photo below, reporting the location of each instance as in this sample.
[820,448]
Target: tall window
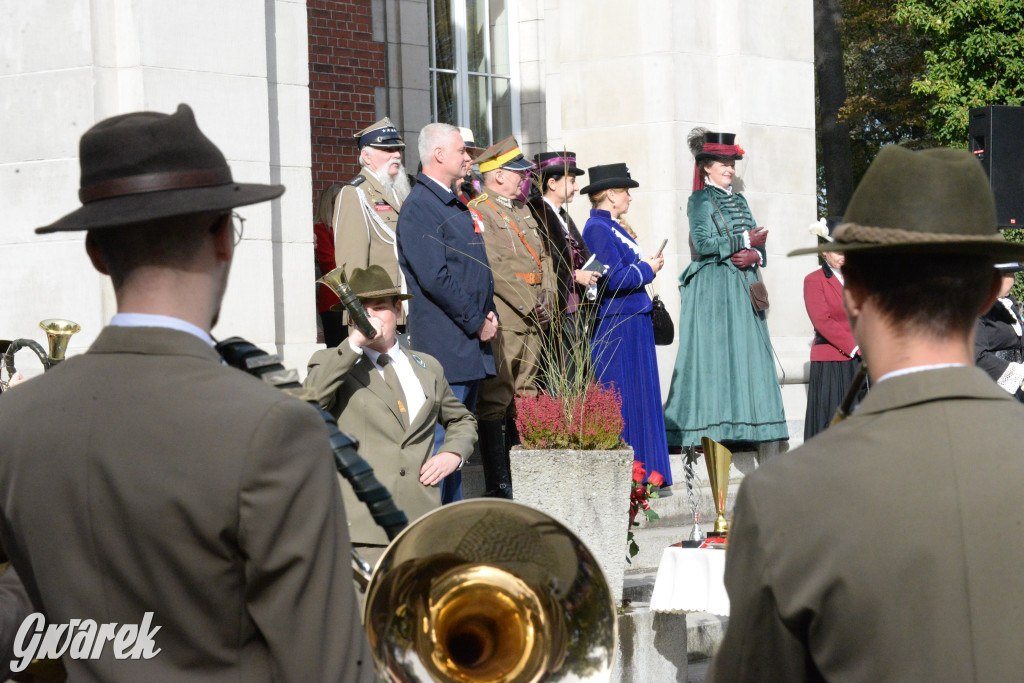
[473,74]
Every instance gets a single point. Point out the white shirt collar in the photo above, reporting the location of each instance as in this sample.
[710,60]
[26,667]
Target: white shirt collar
[917,368]
[154,320]
[727,190]
[440,184]
[394,353]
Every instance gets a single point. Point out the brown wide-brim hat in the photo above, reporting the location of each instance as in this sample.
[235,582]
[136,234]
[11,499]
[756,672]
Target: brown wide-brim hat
[147,165]
[929,201]
[372,283]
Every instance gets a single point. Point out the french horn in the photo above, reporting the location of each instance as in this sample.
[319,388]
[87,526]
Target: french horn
[489,591]
[58,333]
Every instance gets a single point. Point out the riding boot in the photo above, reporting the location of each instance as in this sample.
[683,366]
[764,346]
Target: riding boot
[494,454]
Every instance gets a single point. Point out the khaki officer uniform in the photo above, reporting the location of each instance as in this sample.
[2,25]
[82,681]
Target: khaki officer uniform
[349,386]
[395,436]
[521,270]
[366,217]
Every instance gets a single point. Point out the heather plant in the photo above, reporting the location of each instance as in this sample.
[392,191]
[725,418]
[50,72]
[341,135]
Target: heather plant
[592,421]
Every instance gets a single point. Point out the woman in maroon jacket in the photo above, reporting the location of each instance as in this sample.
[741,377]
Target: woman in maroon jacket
[835,356]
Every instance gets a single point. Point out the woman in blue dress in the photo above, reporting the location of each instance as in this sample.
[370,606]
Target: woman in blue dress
[724,385]
[623,345]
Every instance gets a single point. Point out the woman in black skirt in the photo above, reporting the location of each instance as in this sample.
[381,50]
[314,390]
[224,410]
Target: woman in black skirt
[835,356]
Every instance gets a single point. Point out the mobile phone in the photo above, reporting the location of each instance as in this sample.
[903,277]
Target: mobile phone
[662,247]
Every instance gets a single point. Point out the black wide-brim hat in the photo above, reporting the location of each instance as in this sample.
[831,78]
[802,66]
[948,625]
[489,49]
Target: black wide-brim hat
[145,166]
[609,177]
[928,201]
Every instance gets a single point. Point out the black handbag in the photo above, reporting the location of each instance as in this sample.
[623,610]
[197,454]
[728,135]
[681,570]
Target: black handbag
[664,328]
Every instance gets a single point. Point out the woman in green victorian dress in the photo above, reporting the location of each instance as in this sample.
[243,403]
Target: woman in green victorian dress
[724,384]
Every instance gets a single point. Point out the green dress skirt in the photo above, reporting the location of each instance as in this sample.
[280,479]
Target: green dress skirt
[724,384]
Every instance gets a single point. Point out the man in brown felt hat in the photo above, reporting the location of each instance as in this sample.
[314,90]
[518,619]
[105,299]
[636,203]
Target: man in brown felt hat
[357,381]
[145,481]
[887,548]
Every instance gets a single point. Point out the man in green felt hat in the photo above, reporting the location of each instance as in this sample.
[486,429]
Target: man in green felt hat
[888,546]
[391,399]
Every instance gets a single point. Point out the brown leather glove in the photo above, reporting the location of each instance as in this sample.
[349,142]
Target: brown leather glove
[758,236]
[542,311]
[744,258]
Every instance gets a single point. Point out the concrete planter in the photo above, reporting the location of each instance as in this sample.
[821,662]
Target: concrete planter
[588,491]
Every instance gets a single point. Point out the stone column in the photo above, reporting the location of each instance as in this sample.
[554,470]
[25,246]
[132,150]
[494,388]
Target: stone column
[629,86]
[242,68]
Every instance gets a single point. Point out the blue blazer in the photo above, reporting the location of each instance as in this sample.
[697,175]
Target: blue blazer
[622,287]
[447,272]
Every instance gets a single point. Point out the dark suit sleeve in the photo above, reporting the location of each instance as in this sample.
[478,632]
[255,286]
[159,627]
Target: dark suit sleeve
[294,538]
[757,645]
[421,239]
[623,272]
[816,299]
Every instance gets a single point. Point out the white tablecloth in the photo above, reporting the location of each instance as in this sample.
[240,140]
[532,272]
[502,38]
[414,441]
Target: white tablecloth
[691,580]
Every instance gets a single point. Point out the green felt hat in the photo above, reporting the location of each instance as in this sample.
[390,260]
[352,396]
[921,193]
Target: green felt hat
[372,283]
[928,201]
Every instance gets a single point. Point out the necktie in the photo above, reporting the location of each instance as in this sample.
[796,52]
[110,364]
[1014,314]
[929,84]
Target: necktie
[563,214]
[391,377]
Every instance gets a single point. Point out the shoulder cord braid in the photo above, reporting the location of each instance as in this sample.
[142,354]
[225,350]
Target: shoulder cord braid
[383,232]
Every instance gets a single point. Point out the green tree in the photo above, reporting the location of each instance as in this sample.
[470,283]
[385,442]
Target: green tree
[882,59]
[975,58]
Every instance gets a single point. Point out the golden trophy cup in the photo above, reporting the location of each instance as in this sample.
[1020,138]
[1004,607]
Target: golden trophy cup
[718,458]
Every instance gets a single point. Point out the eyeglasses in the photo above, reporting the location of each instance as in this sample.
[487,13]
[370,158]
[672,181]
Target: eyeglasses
[237,227]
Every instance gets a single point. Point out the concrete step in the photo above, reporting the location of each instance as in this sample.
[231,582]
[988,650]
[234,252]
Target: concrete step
[665,647]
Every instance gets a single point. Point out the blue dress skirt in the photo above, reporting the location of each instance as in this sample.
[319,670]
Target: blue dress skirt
[623,353]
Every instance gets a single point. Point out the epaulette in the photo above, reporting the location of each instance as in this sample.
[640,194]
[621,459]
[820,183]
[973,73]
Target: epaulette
[480,198]
[358,180]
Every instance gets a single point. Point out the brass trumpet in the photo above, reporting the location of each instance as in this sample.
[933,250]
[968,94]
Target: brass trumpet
[491,591]
[58,333]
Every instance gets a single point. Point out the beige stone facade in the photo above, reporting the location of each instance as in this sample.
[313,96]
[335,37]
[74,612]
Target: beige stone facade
[609,80]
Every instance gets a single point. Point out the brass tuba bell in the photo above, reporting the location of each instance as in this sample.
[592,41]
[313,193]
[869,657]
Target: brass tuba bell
[490,591]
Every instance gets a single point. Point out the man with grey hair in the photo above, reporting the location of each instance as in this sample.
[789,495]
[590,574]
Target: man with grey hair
[366,210]
[452,315]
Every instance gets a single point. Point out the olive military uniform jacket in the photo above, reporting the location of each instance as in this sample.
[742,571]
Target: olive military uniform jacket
[887,548]
[145,476]
[519,261]
[365,223]
[349,386]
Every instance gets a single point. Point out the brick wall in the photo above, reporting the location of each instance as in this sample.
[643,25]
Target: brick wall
[345,66]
